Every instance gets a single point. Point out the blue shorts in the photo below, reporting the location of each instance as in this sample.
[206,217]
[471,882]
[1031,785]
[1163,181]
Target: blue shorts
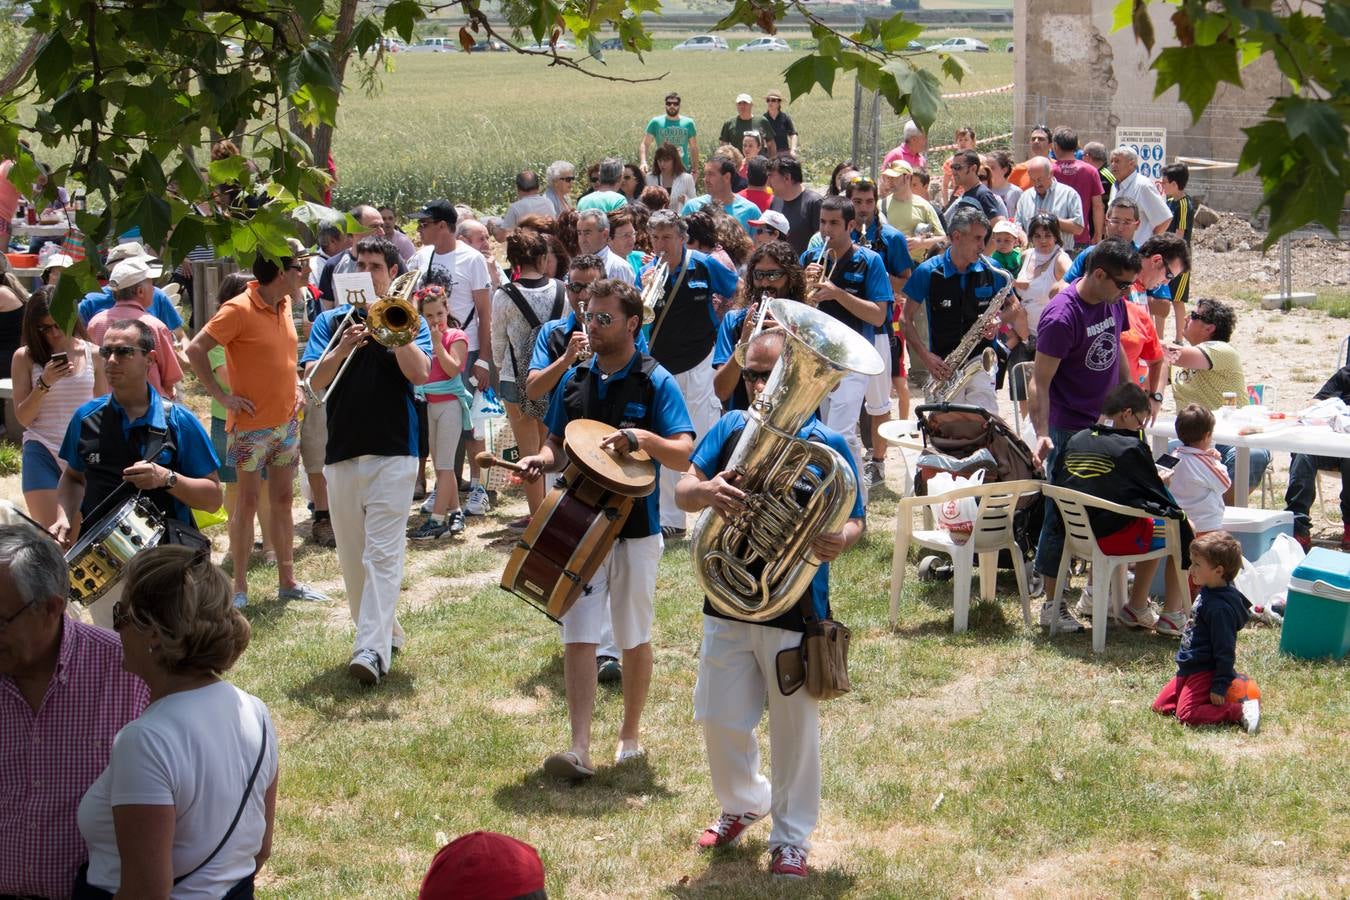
[41,471]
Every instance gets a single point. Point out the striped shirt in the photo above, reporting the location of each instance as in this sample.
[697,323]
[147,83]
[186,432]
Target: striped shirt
[66,395]
[49,758]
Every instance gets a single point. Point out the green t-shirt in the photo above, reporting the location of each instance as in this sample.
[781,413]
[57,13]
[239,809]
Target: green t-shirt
[1206,387]
[216,355]
[605,201]
[734,129]
[677,131]
[1010,261]
[905,216]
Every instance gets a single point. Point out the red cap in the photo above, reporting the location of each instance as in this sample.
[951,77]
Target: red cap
[483,865]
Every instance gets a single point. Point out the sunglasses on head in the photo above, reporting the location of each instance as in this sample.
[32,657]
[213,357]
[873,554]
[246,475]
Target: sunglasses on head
[767,274]
[753,375]
[603,319]
[119,352]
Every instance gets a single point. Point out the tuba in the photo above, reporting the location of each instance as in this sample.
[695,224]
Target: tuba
[754,566]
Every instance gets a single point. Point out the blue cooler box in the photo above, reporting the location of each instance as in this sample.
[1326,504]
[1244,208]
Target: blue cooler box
[1317,619]
[1255,530]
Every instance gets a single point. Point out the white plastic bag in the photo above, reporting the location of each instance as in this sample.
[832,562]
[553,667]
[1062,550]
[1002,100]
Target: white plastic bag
[1266,581]
[485,408]
[956,516]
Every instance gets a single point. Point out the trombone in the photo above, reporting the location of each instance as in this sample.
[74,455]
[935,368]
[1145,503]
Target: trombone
[392,320]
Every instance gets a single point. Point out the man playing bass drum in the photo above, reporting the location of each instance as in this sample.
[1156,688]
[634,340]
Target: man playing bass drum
[623,387]
[737,659]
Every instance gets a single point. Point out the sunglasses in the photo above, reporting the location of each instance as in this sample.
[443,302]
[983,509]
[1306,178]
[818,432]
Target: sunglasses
[958,168]
[577,287]
[601,318]
[767,274]
[568,178]
[1195,316]
[119,352]
[753,375]
[1121,284]
[672,105]
[1121,223]
[861,181]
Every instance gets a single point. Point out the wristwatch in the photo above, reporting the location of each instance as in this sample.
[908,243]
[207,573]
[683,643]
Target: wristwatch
[1156,396]
[171,481]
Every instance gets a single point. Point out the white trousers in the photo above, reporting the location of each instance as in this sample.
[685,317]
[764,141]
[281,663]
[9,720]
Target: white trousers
[704,410]
[622,592]
[368,499]
[878,394]
[839,410]
[736,669]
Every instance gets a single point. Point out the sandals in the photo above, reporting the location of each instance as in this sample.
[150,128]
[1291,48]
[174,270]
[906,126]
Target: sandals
[566,765]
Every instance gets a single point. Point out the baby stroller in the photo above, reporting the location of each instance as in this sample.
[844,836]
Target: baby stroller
[962,439]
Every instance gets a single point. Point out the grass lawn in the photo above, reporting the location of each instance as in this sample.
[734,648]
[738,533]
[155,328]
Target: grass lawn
[995,763]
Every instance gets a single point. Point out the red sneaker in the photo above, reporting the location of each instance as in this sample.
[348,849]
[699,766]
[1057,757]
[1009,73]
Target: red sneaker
[788,862]
[727,830]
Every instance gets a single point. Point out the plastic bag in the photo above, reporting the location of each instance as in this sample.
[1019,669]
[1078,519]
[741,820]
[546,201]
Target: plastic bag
[485,408]
[1265,582]
[956,516]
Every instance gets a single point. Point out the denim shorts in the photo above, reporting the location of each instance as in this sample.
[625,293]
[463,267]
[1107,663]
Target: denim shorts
[41,471]
[508,392]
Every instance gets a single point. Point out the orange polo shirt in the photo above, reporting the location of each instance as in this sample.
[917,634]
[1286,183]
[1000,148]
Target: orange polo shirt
[260,354]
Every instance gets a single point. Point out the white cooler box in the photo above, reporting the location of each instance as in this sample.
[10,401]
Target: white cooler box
[1255,530]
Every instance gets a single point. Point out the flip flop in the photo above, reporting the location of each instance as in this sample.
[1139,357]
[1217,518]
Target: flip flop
[622,755]
[566,765]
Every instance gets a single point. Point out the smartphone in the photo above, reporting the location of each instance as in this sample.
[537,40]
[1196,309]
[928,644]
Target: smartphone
[1167,461]
[60,358]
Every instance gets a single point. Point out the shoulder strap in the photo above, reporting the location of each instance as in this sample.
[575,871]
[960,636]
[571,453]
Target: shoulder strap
[238,814]
[559,297]
[666,302]
[518,299]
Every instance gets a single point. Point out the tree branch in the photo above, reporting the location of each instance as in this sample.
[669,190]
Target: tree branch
[19,71]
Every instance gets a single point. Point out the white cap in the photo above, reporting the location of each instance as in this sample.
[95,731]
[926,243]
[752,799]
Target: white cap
[775,220]
[129,250]
[130,272]
[58,260]
[744,98]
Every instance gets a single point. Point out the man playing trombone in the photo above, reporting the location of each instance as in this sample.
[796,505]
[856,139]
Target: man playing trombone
[371,458]
[850,283]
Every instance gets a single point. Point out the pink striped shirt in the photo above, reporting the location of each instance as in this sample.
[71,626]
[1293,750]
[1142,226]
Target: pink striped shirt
[49,759]
[166,372]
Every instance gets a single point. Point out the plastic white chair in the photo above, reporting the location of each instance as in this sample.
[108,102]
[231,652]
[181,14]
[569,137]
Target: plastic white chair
[1108,572]
[992,532]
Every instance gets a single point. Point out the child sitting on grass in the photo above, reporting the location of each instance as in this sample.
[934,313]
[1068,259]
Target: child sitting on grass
[1199,478]
[1198,693]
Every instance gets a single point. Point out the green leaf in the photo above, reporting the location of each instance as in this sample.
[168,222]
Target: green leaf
[897,31]
[1196,72]
[925,98]
[800,77]
[76,281]
[53,64]
[954,67]
[1318,122]
[152,214]
[227,170]
[189,179]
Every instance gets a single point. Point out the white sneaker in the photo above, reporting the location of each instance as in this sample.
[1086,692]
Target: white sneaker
[1083,608]
[365,666]
[477,504]
[1067,622]
[1251,715]
[429,504]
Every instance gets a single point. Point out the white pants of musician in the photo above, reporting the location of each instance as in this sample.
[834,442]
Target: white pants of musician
[839,410]
[700,399]
[736,669]
[622,591]
[978,391]
[368,499]
[877,397]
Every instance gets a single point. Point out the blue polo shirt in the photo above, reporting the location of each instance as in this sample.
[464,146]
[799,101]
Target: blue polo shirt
[711,456]
[891,245]
[161,307]
[667,417]
[188,452]
[728,334]
[953,300]
[863,274]
[544,356]
[740,209]
[1079,269]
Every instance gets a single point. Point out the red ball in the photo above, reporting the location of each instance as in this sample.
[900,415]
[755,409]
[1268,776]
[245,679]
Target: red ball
[1243,687]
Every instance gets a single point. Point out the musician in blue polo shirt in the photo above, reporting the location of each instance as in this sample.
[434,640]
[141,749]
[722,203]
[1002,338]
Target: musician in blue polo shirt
[683,333]
[857,293]
[629,390]
[737,670]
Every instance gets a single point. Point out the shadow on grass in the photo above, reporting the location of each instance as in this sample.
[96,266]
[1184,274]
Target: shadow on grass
[743,871]
[334,694]
[596,797]
[989,624]
[549,676]
[1124,646]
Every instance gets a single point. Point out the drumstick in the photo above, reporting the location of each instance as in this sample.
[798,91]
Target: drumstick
[486,460]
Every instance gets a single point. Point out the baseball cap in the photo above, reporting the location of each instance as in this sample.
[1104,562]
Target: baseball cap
[133,271]
[744,98]
[1007,226]
[898,167]
[775,220]
[483,865]
[773,95]
[438,211]
[58,261]
[128,250]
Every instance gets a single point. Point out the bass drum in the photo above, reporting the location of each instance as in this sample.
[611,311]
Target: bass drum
[578,522]
[99,558]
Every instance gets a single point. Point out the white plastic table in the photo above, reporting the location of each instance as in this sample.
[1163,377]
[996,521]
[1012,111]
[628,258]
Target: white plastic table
[21,226]
[1280,435]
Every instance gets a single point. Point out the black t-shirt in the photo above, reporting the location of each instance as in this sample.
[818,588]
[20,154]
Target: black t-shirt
[980,196]
[803,215]
[783,128]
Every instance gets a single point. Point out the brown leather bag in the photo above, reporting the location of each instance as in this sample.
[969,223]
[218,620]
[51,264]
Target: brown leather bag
[820,662]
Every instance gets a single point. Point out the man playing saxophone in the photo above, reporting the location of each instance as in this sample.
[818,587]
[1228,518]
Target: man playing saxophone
[857,292]
[737,660]
[954,289]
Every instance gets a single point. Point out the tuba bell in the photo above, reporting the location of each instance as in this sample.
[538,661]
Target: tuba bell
[755,565]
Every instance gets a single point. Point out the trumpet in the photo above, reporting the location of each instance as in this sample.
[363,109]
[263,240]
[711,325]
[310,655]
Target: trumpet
[761,317]
[655,289]
[585,353]
[827,262]
[392,320]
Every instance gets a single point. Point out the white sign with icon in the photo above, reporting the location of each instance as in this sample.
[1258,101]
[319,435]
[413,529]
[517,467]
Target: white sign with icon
[1150,144]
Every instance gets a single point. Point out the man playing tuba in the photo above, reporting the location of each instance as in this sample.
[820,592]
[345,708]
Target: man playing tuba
[737,658]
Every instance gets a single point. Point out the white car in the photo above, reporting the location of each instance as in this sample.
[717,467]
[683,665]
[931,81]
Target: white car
[765,44]
[702,42]
[434,45]
[563,46]
[961,45]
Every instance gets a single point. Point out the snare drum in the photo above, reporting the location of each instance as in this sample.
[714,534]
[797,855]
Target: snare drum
[99,558]
[576,525]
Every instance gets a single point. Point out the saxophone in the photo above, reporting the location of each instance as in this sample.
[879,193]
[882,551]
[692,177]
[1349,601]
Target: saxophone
[939,390]
[755,565]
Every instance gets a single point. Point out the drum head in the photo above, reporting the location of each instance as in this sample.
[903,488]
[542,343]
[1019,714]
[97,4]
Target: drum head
[629,474]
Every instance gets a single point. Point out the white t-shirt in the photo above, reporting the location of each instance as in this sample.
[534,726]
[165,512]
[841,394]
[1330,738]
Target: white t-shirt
[1198,483]
[193,750]
[468,273]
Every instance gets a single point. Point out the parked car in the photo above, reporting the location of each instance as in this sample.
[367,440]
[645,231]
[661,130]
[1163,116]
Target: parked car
[434,45]
[702,42]
[489,45]
[611,44]
[961,45]
[562,46]
[915,47]
[393,45]
[765,44]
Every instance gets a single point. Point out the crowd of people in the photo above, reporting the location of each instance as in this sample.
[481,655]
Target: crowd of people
[635,302]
